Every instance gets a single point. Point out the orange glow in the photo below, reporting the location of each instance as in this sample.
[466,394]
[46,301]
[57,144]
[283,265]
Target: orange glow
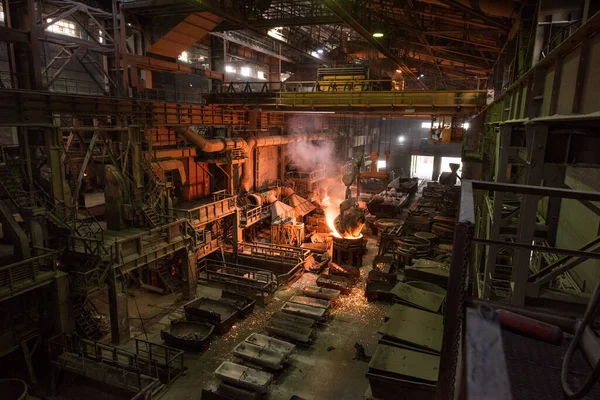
[330,217]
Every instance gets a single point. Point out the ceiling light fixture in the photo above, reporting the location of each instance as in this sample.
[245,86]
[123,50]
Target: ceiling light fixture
[377,35]
[320,51]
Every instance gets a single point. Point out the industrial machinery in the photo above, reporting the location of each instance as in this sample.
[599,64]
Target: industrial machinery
[373,181]
[342,79]
[447,129]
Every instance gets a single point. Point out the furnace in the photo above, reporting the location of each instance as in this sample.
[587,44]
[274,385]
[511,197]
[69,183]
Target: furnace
[348,251]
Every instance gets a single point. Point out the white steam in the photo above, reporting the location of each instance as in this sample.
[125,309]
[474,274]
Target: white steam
[309,156]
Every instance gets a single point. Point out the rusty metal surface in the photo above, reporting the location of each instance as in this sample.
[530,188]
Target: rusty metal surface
[410,329]
[405,364]
[311,301]
[183,35]
[316,313]
[418,297]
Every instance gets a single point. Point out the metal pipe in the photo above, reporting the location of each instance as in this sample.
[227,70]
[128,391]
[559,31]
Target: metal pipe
[564,322]
[212,145]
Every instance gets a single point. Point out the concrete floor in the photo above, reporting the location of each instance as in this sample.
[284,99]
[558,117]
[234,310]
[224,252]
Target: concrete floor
[325,370]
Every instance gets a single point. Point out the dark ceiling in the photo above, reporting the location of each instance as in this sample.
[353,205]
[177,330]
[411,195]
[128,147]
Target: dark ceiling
[448,41]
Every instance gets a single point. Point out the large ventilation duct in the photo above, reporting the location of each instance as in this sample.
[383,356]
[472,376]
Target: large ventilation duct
[219,145]
[492,8]
[212,145]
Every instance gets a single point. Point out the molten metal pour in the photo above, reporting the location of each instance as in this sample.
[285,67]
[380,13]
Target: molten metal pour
[351,219]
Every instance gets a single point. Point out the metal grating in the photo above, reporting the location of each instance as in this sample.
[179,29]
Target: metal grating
[534,368]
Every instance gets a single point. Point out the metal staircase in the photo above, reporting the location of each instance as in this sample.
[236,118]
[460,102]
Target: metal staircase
[151,208]
[171,283]
[13,188]
[87,318]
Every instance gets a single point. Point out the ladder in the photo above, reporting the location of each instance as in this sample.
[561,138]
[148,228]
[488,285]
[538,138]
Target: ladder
[13,189]
[86,318]
[151,216]
[171,283]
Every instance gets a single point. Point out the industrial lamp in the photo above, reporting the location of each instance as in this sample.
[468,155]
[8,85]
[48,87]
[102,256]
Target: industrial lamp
[377,34]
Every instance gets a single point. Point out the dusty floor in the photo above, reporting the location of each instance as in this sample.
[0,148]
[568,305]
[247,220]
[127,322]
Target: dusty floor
[325,370]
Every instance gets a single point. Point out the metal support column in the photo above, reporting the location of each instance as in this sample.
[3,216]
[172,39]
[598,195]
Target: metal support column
[189,274]
[21,15]
[57,179]
[136,162]
[457,290]
[62,317]
[119,315]
[494,220]
[237,233]
[536,137]
[555,177]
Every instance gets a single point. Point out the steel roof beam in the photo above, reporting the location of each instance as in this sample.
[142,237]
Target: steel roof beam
[467,10]
[338,9]
[215,8]
[294,21]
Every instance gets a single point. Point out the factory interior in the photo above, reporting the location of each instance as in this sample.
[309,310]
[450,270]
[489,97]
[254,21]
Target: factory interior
[299,199]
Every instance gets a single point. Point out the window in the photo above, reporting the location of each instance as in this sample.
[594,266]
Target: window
[246,71]
[184,57]
[229,68]
[62,27]
[100,38]
[260,75]
[1,13]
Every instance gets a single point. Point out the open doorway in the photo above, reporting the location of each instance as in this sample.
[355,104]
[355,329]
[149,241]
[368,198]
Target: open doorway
[421,167]
[446,161]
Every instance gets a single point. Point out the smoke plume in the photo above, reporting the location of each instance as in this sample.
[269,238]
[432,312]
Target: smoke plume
[308,156]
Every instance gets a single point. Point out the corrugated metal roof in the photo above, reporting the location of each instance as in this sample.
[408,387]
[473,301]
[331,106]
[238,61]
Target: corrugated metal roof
[300,204]
[281,211]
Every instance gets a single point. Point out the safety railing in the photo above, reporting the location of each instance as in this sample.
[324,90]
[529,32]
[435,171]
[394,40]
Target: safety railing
[327,85]
[72,353]
[287,254]
[239,275]
[251,215]
[221,194]
[191,96]
[18,276]
[313,175]
[560,36]
[168,359]
[458,289]
[223,205]
[133,247]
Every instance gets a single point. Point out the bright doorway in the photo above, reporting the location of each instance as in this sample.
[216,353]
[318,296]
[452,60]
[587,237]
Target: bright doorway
[421,167]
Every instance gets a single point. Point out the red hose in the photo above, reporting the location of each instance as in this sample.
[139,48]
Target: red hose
[530,327]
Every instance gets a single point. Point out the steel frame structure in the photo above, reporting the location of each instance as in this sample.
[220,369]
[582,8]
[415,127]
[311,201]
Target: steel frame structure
[460,321]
